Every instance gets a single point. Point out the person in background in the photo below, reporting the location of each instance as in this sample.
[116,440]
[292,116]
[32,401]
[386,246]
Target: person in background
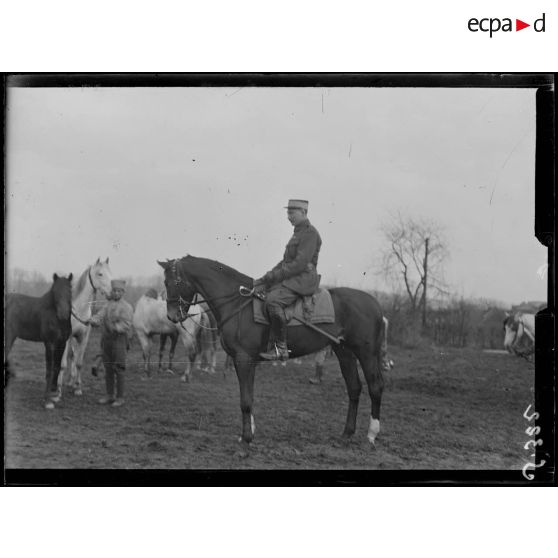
[115,321]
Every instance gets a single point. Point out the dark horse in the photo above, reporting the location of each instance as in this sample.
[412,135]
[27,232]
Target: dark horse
[358,321]
[47,319]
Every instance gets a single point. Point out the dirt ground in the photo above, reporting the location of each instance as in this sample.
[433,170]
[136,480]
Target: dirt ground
[442,409]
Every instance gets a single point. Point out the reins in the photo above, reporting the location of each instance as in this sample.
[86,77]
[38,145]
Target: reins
[242,291]
[94,294]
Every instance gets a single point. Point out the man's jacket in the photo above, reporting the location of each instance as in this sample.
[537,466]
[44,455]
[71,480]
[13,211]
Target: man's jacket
[297,270]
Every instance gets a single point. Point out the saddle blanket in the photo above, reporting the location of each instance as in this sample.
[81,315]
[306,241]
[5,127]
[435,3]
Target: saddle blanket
[316,309]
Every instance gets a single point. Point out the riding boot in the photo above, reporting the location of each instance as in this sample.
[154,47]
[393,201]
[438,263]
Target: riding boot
[279,331]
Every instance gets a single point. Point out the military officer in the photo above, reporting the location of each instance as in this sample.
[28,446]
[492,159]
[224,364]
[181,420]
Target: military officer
[115,320]
[294,276]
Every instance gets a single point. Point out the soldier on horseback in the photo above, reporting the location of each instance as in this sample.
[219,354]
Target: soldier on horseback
[294,276]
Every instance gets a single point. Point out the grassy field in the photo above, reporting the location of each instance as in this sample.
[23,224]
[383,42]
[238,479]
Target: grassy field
[442,409]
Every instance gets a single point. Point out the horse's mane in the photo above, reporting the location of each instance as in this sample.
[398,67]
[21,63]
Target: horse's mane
[230,272]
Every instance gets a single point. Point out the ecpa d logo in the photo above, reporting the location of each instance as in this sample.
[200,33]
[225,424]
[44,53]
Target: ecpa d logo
[492,25]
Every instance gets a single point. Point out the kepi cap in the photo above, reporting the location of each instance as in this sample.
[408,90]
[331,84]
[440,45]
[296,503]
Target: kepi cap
[297,204]
[118,284]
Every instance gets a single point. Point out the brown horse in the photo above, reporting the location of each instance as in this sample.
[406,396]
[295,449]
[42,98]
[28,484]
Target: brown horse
[47,319]
[358,321]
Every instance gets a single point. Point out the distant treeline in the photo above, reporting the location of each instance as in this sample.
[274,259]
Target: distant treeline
[456,322]
[34,283]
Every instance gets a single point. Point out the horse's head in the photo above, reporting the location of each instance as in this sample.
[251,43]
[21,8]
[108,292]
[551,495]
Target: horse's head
[180,292]
[100,276]
[511,325]
[62,294]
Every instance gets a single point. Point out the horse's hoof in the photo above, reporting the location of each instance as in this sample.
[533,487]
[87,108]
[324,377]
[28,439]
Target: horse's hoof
[78,392]
[185,379]
[49,405]
[244,450]
[55,399]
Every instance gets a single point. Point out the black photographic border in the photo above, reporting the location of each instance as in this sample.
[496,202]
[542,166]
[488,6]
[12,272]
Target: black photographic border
[544,228]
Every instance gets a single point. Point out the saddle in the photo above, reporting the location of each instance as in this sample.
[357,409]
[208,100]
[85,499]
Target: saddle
[316,309]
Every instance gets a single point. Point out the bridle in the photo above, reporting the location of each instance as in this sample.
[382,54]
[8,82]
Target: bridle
[91,280]
[183,303]
[95,289]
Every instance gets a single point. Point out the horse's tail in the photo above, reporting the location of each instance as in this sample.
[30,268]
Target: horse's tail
[386,364]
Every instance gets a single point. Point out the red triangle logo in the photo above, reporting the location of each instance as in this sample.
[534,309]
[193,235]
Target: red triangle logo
[519,25]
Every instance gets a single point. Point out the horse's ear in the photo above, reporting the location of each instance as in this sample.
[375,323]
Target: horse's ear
[164,265]
[70,277]
[55,277]
[106,261]
[98,260]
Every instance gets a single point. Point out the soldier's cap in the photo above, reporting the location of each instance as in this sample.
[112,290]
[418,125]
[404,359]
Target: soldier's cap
[118,284]
[297,204]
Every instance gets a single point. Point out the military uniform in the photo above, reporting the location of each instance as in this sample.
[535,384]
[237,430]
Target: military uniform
[294,276]
[115,320]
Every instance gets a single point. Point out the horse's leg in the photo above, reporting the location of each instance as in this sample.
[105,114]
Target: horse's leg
[191,348]
[347,361]
[59,348]
[174,341]
[201,350]
[211,352]
[145,342]
[64,365]
[77,360]
[162,343]
[372,369]
[245,371]
[50,398]
[212,360]
[190,359]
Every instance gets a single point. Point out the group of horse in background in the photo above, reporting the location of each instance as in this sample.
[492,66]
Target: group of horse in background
[198,334]
[59,319]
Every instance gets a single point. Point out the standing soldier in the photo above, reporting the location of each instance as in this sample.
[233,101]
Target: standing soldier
[115,320]
[294,276]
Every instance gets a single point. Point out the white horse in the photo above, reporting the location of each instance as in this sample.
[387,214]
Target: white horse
[95,278]
[515,327]
[150,318]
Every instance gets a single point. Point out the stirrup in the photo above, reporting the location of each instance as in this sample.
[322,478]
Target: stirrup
[276,354]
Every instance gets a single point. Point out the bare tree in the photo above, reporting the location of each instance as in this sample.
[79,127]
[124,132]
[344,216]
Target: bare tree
[414,256]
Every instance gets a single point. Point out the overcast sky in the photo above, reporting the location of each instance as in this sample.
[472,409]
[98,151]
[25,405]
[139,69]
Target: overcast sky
[140,174]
